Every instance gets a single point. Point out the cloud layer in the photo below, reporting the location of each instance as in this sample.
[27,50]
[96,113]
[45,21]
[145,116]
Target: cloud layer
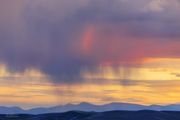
[61,38]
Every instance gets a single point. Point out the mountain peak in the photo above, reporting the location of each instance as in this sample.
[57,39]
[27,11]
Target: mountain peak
[85,103]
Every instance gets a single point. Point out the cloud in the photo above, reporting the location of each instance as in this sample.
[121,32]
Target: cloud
[61,38]
[156,5]
[176,74]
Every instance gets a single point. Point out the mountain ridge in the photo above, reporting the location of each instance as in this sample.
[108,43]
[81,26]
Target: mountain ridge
[88,107]
[108,115]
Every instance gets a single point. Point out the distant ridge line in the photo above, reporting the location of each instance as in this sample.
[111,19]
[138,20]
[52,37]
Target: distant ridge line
[87,107]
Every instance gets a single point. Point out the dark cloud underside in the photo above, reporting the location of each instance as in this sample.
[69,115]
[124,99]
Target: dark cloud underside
[61,38]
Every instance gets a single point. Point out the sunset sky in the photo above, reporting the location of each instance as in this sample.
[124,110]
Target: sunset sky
[56,52]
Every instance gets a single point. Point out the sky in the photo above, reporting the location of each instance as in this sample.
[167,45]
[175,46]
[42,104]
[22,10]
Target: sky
[56,52]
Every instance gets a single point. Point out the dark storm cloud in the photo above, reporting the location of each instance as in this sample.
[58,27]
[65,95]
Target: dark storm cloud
[47,35]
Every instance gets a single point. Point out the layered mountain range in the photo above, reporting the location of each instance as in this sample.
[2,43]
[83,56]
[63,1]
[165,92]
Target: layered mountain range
[87,107]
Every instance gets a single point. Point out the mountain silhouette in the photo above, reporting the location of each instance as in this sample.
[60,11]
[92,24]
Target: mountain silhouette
[111,115]
[87,107]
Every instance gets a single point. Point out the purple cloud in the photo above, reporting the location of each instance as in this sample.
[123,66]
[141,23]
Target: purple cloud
[48,35]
